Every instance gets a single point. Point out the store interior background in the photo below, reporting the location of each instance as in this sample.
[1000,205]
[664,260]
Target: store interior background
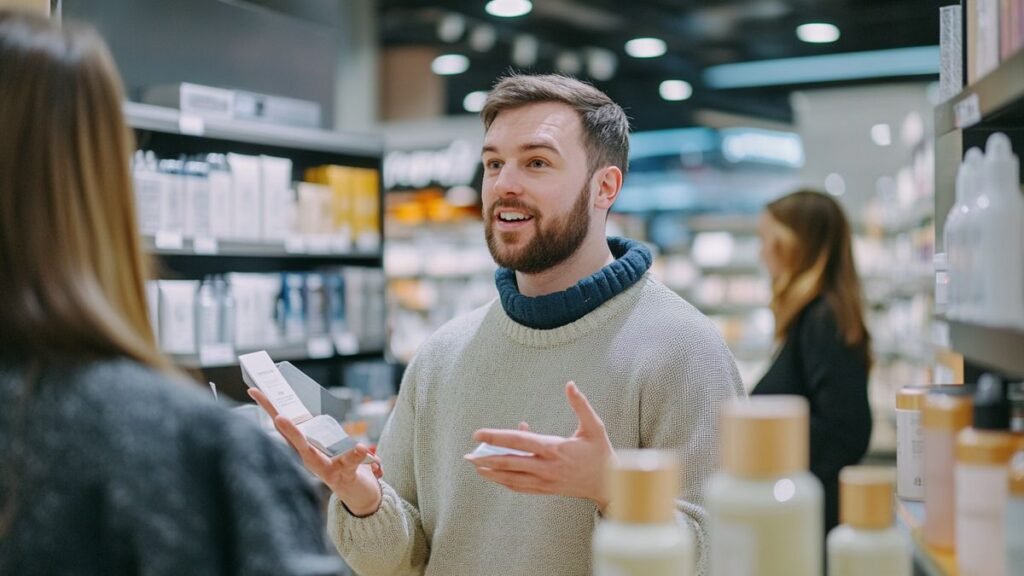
[702,167]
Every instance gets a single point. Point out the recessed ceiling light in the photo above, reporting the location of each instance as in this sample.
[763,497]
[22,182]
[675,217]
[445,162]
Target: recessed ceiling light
[508,8]
[645,47]
[835,184]
[474,101]
[817,33]
[449,64]
[881,134]
[675,90]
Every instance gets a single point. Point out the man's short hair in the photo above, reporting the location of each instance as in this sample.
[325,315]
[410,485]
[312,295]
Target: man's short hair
[605,125]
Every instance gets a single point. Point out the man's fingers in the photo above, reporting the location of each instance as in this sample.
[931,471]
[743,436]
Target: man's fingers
[310,455]
[589,420]
[524,427]
[353,457]
[263,401]
[525,441]
[509,464]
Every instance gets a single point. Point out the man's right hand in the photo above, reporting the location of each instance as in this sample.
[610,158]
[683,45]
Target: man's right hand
[354,483]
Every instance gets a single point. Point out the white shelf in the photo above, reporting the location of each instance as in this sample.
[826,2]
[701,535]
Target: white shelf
[171,121]
[253,248]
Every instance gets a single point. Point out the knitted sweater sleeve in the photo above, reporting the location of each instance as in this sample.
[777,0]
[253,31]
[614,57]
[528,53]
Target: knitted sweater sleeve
[681,394]
[390,541]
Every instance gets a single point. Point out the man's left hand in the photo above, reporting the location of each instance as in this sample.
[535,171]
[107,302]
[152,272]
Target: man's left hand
[573,466]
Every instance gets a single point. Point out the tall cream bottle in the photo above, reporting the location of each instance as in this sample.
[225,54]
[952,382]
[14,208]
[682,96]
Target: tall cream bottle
[943,418]
[641,536]
[764,507]
[909,443]
[983,454]
[867,543]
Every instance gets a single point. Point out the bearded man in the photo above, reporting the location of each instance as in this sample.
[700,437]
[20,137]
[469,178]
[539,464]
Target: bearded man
[583,354]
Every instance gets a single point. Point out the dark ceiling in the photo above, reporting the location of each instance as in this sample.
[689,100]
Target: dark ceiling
[698,35]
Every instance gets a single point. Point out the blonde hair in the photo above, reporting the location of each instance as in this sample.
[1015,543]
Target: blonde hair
[816,254]
[71,267]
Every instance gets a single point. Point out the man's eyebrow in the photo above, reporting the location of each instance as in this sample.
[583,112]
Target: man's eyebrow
[538,144]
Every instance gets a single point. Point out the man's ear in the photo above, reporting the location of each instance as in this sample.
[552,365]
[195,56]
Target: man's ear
[609,183]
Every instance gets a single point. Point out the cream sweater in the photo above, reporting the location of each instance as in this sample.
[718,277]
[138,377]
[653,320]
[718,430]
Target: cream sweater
[654,369]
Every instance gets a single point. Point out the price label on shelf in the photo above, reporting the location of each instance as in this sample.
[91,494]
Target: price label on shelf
[216,354]
[169,241]
[346,343]
[191,125]
[320,347]
[294,245]
[967,112]
[206,246]
[341,244]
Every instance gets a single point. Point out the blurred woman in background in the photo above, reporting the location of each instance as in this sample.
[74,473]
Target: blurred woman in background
[824,349]
[110,462]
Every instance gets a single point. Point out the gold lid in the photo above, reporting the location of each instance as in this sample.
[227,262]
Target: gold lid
[994,448]
[946,411]
[911,398]
[642,486]
[1017,469]
[865,497]
[765,436]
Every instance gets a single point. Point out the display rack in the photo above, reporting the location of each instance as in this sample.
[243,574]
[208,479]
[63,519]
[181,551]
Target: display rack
[927,560]
[170,133]
[993,103]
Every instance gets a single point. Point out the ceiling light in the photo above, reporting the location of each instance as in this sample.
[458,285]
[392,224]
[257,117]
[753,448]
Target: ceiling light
[817,33]
[835,185]
[675,90]
[449,64]
[474,101]
[601,64]
[524,50]
[451,27]
[508,8]
[881,134]
[568,63]
[482,38]
[645,47]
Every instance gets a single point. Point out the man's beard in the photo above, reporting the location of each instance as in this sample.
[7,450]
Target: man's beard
[550,246]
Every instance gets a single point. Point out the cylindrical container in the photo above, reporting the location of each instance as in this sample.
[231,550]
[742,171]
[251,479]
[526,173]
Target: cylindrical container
[909,443]
[1015,511]
[641,536]
[867,543]
[983,455]
[943,417]
[764,507]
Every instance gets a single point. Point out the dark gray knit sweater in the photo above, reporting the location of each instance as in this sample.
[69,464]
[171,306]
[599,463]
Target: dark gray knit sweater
[120,470]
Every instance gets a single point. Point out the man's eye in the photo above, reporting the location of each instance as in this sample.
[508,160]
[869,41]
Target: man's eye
[492,164]
[537,163]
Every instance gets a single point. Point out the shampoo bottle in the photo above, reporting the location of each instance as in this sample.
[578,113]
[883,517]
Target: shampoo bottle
[764,507]
[641,536]
[867,543]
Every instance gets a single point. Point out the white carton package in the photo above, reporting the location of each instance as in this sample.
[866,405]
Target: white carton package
[322,431]
[485,449]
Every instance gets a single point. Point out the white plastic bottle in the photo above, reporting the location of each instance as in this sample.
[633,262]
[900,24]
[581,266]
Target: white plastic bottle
[764,507]
[640,536]
[867,543]
[1002,253]
[953,243]
[910,443]
[970,237]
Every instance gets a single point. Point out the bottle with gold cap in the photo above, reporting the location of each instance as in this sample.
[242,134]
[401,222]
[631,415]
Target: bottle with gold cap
[983,454]
[640,536]
[764,506]
[909,443]
[866,543]
[945,414]
[1015,510]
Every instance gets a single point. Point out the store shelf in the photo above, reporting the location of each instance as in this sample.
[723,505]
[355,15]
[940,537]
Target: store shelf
[984,101]
[733,270]
[292,352]
[1001,349]
[251,249]
[928,561]
[171,121]
[728,309]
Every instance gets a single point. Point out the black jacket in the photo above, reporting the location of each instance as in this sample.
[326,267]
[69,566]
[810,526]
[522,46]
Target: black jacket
[815,363]
[117,469]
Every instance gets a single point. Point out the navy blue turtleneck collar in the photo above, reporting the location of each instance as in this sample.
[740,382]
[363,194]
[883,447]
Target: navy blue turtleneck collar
[632,259]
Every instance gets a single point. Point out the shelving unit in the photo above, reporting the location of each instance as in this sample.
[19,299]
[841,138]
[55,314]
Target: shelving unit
[999,349]
[928,561]
[171,134]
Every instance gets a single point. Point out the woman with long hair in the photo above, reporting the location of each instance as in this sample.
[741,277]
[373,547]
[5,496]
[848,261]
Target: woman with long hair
[824,349]
[110,461]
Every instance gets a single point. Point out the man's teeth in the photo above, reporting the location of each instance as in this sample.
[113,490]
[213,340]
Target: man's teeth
[512,216]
